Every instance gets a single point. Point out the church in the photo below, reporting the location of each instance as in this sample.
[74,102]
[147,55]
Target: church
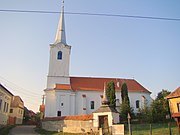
[67,95]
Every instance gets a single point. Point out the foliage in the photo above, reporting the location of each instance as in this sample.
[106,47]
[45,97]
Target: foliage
[157,111]
[125,105]
[111,95]
[160,107]
[38,116]
[161,95]
[124,110]
[124,94]
[145,114]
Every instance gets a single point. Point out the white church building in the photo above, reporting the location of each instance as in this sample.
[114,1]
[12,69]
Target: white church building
[66,95]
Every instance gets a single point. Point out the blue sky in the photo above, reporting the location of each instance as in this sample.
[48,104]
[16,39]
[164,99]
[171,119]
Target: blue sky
[144,49]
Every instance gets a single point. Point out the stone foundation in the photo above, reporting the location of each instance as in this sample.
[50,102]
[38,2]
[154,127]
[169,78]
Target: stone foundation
[70,124]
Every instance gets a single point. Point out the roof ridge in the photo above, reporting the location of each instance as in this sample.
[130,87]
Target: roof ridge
[98,77]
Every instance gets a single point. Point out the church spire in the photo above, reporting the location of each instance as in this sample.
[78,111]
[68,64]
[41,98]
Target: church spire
[105,100]
[61,35]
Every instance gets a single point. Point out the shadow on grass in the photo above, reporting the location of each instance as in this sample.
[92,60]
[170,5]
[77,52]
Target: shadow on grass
[45,132]
[6,130]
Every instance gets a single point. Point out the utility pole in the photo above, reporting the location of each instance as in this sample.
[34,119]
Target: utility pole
[129,124]
[43,97]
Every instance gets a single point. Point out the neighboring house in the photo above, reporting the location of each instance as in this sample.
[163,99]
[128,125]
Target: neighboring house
[5,102]
[29,117]
[17,109]
[66,95]
[174,104]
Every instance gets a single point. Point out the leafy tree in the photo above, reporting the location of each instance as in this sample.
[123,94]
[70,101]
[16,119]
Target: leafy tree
[160,107]
[111,95]
[144,114]
[162,94]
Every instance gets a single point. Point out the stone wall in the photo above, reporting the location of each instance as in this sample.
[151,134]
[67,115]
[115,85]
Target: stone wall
[118,129]
[69,126]
[77,124]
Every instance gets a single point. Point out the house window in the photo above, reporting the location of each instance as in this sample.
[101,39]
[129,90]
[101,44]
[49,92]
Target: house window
[59,56]
[58,113]
[137,103]
[4,107]
[62,104]
[7,107]
[178,106]
[11,110]
[92,104]
[0,103]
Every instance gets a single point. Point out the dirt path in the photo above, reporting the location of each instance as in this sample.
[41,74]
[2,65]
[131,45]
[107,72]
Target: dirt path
[23,130]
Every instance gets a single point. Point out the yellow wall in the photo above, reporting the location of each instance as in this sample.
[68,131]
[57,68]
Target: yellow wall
[18,113]
[173,104]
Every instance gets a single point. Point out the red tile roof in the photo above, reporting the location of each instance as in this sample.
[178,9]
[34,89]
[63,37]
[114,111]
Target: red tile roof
[97,84]
[174,94]
[75,117]
[63,87]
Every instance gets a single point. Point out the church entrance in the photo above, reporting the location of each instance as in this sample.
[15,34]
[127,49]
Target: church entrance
[103,123]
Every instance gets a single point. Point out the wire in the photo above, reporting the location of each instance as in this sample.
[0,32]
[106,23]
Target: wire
[93,14]
[17,88]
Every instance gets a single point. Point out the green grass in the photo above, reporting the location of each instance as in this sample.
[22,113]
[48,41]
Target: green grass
[157,129]
[5,130]
[137,129]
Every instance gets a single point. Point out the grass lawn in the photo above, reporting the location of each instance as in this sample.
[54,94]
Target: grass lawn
[5,130]
[157,129]
[137,129]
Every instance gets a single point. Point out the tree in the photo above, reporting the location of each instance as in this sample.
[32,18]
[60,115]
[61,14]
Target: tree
[144,114]
[111,95]
[161,95]
[125,105]
[160,107]
[124,94]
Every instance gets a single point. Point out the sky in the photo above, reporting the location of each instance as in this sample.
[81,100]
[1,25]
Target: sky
[144,49]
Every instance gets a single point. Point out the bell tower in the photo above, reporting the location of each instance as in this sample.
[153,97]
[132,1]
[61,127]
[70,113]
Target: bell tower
[59,56]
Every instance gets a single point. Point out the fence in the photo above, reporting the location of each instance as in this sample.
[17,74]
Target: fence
[153,129]
[117,129]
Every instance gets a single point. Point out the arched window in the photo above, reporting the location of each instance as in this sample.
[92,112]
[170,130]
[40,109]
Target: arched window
[59,56]
[137,103]
[92,104]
